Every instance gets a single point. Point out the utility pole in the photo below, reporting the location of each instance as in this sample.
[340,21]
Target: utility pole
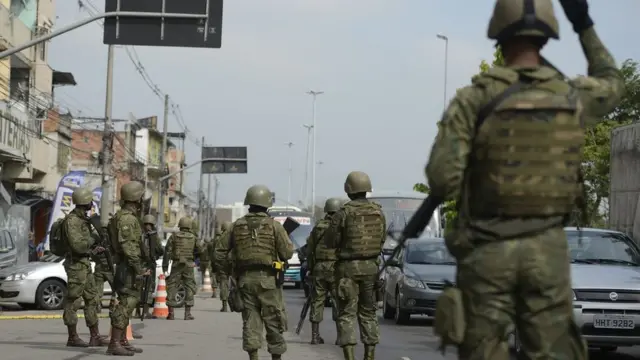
[163,161]
[200,190]
[106,201]
[207,222]
[446,65]
[313,162]
[305,194]
[215,206]
[290,169]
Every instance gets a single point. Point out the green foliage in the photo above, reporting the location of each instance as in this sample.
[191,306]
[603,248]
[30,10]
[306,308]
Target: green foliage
[498,60]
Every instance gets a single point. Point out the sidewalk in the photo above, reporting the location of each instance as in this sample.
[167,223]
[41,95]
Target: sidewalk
[211,334]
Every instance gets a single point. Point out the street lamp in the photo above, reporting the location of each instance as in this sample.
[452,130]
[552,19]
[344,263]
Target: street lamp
[305,185]
[313,161]
[446,65]
[290,146]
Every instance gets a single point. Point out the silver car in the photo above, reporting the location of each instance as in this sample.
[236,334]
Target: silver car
[605,270]
[415,278]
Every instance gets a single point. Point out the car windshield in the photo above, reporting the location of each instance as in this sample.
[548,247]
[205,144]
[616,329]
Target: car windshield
[398,211]
[51,258]
[429,252]
[299,235]
[601,247]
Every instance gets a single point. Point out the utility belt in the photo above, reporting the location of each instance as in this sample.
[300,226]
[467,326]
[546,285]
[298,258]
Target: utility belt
[277,269]
[354,258]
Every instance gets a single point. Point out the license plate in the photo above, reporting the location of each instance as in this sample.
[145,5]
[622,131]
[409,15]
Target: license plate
[613,322]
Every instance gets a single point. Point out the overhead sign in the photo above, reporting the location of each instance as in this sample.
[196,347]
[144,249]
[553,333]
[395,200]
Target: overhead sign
[165,31]
[226,160]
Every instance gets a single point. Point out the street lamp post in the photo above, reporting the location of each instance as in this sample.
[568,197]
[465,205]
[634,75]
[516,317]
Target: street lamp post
[305,186]
[446,66]
[290,169]
[313,161]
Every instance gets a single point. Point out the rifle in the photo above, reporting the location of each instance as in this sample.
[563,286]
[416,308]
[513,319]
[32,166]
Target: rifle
[94,220]
[147,279]
[304,311]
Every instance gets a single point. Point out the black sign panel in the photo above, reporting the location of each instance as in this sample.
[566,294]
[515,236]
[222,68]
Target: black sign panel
[225,152]
[177,32]
[224,167]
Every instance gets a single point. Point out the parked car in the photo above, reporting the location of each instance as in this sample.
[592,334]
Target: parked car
[605,272]
[43,284]
[8,250]
[415,277]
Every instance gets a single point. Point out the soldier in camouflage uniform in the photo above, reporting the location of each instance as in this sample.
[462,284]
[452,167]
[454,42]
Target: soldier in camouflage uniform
[224,270]
[515,174]
[102,274]
[181,249]
[125,235]
[80,284]
[357,232]
[151,237]
[321,261]
[257,242]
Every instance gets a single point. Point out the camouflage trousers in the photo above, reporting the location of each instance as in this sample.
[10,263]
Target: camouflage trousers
[525,281]
[323,286]
[181,274]
[80,286]
[263,308]
[356,298]
[102,276]
[223,283]
[128,301]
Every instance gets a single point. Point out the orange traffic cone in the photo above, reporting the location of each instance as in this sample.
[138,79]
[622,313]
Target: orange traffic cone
[160,309]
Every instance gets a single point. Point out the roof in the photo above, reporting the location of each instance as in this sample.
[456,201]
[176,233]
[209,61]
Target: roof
[62,78]
[572,228]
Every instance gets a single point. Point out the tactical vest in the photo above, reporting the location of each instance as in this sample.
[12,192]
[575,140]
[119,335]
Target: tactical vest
[322,253]
[527,154]
[363,232]
[183,245]
[113,233]
[254,242]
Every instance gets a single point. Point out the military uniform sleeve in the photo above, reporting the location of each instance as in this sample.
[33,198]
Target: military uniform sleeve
[602,90]
[159,250]
[450,151]
[77,234]
[284,246]
[222,248]
[168,250]
[333,235]
[130,236]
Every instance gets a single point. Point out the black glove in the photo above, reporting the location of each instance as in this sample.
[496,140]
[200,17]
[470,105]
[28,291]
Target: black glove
[577,12]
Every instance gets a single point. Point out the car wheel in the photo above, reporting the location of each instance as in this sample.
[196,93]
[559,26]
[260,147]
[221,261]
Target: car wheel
[608,348]
[388,311]
[180,295]
[50,295]
[400,316]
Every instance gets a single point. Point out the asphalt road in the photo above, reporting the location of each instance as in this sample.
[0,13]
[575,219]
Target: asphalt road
[413,341]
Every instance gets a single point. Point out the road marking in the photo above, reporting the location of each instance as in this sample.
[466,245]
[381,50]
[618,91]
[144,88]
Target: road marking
[43,317]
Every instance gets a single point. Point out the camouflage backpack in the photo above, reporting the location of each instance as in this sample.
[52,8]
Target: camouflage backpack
[57,242]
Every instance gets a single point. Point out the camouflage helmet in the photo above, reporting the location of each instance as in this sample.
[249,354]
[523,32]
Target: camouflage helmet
[185,222]
[357,182]
[82,196]
[132,191]
[332,205]
[259,195]
[523,18]
[149,219]
[226,225]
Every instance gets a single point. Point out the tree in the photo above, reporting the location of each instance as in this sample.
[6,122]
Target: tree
[597,148]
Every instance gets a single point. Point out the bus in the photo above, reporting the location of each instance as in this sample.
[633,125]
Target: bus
[398,207]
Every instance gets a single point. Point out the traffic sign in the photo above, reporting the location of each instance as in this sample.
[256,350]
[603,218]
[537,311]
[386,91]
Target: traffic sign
[165,31]
[224,160]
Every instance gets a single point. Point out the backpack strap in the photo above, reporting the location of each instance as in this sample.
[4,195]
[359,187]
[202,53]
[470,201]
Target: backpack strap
[497,100]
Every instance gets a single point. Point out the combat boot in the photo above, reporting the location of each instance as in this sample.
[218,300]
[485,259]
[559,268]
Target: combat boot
[253,355]
[369,352]
[115,347]
[96,339]
[187,313]
[224,306]
[74,340]
[348,352]
[149,314]
[125,344]
[276,357]
[171,315]
[316,339]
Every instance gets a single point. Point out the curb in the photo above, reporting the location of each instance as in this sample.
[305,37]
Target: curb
[43,317]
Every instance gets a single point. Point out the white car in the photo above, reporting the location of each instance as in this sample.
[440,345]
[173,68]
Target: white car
[43,284]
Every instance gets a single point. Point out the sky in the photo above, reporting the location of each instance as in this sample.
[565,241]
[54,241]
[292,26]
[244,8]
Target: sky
[379,63]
